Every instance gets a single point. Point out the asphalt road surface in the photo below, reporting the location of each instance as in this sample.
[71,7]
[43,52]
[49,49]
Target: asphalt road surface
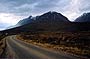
[17,49]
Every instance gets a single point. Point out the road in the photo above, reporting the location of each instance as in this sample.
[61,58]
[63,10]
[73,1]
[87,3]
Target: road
[20,50]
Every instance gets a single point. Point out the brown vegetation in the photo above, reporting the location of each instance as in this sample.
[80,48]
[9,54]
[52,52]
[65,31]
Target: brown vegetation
[75,43]
[2,46]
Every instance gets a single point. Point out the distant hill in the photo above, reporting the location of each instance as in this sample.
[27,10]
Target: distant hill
[83,18]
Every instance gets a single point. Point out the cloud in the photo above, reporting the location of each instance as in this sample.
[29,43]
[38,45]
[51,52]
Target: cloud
[72,9]
[33,7]
[76,8]
[7,20]
[3,26]
[84,5]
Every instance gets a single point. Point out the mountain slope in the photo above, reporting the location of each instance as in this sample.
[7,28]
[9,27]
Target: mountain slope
[83,18]
[25,21]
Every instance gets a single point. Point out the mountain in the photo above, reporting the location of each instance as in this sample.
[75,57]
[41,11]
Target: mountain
[50,21]
[47,17]
[25,21]
[83,18]
[52,16]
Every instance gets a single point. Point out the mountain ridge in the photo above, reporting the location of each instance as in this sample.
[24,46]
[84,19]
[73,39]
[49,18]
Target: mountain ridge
[46,17]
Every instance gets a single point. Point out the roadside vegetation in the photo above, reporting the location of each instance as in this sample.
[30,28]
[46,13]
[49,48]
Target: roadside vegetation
[2,46]
[75,43]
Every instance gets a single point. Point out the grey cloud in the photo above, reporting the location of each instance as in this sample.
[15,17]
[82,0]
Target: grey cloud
[84,5]
[27,7]
[3,25]
[34,7]
[41,6]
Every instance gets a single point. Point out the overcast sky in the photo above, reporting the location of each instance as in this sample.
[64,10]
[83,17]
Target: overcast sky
[11,11]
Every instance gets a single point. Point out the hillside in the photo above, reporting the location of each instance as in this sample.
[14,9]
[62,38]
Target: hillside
[83,18]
